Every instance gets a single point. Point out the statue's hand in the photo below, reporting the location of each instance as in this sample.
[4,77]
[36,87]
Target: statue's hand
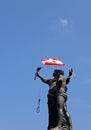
[37,74]
[71,72]
[37,71]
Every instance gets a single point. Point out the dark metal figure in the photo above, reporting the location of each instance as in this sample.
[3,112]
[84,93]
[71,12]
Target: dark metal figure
[58,114]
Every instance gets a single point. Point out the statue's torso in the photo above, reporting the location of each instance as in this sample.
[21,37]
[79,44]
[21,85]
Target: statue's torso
[61,84]
[52,89]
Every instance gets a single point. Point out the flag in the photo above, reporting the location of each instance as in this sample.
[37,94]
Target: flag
[52,61]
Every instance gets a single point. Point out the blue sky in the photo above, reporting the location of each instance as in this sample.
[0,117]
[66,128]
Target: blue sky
[35,29]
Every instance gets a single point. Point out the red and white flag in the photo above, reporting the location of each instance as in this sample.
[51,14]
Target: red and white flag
[52,61]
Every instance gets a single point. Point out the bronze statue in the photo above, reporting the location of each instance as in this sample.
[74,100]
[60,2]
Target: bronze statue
[59,118]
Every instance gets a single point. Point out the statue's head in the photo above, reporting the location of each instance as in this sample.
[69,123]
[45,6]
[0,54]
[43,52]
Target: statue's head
[58,72]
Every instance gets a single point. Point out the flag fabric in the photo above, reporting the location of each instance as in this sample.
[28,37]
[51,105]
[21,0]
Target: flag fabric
[52,61]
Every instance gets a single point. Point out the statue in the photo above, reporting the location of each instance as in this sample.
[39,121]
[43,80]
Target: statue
[59,118]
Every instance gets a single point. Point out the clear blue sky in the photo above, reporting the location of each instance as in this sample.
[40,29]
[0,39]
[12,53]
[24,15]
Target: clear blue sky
[35,29]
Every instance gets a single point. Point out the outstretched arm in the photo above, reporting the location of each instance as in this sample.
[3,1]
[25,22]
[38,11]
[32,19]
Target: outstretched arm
[69,76]
[42,79]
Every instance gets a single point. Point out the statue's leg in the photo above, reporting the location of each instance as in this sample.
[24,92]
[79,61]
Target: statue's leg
[60,105]
[52,111]
[68,116]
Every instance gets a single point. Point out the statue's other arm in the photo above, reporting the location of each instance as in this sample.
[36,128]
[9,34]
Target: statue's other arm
[68,80]
[69,76]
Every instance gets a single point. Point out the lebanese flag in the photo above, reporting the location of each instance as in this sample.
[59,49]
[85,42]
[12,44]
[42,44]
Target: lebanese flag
[52,61]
